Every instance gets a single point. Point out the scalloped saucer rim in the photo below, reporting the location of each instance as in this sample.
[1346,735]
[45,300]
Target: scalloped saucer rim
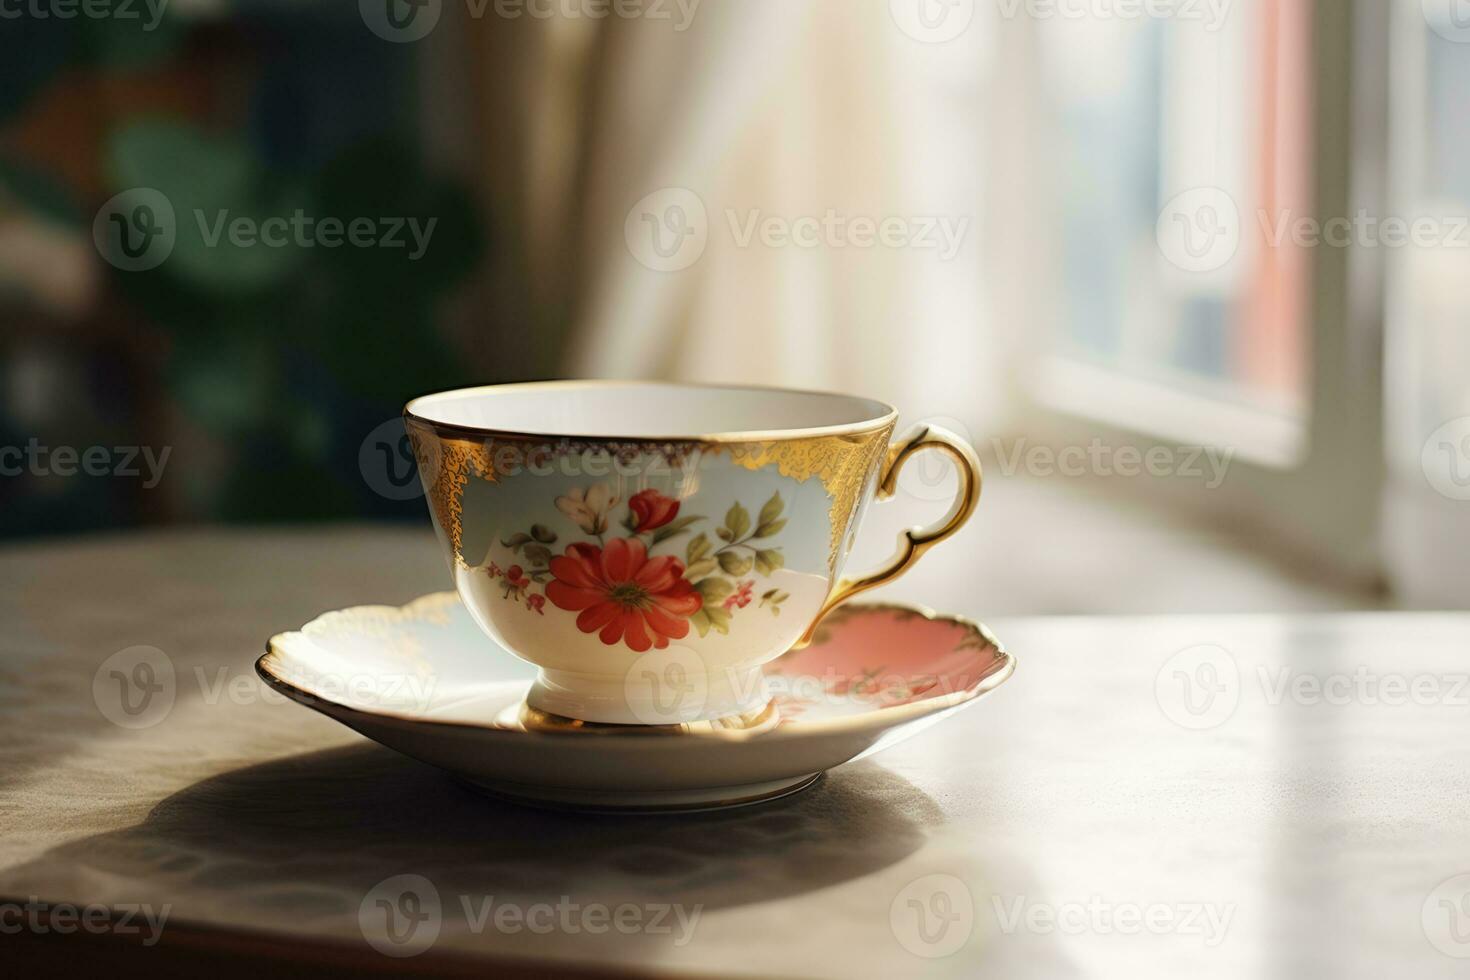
[494,753]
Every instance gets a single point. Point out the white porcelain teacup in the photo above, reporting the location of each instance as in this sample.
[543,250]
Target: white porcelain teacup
[650,546]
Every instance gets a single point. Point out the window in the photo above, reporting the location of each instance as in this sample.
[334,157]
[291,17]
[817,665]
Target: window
[1208,290]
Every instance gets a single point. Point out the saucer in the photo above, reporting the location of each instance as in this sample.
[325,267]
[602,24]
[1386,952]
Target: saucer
[424,680]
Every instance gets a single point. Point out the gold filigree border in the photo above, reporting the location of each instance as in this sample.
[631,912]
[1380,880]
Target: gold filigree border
[846,465]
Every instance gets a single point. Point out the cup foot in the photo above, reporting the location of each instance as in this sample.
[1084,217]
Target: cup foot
[751,723]
[656,694]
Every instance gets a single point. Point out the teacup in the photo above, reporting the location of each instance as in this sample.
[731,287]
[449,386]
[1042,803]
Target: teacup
[650,546]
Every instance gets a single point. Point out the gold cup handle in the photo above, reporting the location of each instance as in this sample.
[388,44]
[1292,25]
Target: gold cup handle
[916,540]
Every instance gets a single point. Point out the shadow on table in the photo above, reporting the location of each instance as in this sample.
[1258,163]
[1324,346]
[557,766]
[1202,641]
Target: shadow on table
[301,842]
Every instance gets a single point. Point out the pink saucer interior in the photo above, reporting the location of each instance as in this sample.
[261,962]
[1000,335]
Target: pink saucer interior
[867,657]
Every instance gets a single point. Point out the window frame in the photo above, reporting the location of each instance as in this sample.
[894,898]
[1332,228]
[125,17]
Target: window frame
[1321,500]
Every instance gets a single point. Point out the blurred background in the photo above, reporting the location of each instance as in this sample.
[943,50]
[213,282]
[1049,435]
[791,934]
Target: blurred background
[1193,275]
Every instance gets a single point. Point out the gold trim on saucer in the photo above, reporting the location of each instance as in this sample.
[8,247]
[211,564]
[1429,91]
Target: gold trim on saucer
[270,668]
[731,726]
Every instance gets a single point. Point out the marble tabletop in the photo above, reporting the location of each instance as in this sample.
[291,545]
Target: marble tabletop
[1207,796]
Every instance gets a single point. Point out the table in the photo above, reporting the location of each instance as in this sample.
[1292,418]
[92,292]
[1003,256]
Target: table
[1191,795]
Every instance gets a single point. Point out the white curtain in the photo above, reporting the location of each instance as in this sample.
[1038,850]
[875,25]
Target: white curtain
[783,110]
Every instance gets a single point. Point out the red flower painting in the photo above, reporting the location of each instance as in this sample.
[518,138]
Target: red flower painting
[629,597]
[652,510]
[622,594]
